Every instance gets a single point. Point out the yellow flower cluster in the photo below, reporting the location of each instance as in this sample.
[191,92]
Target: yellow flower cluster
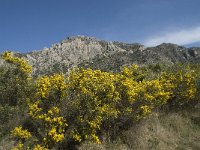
[139,97]
[95,138]
[145,110]
[43,84]
[21,133]
[50,117]
[39,147]
[22,64]
[183,85]
[130,71]
[58,82]
[53,123]
[34,109]
[55,136]
[135,72]
[46,85]
[76,136]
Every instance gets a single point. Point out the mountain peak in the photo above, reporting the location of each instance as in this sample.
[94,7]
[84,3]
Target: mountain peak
[78,37]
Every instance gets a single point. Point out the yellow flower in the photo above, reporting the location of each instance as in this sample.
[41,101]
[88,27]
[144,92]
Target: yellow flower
[23,65]
[39,147]
[19,146]
[21,133]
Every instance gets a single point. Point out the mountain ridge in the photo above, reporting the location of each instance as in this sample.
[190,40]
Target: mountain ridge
[83,51]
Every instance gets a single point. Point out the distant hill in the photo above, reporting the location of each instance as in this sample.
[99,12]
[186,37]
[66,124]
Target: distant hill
[106,55]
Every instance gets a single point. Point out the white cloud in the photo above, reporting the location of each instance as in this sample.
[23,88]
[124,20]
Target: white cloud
[181,37]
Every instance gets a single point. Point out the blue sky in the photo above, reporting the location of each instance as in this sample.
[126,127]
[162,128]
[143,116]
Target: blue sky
[27,25]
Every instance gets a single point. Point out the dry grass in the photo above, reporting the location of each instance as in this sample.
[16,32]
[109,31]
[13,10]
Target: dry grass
[6,144]
[177,130]
[104,146]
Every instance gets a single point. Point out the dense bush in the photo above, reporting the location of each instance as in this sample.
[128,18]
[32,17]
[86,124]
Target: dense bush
[86,104]
[15,92]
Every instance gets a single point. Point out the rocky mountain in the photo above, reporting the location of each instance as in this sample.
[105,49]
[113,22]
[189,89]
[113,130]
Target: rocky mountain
[106,55]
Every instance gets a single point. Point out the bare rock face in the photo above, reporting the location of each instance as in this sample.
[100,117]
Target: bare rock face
[90,52]
[70,53]
[165,53]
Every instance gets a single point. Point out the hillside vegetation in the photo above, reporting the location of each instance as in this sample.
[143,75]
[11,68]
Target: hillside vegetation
[146,107]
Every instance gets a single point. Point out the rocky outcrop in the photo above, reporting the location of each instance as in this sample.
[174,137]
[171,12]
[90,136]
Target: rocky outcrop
[72,52]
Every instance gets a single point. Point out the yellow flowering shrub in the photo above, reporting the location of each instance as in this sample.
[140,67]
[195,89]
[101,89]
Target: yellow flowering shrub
[23,65]
[16,81]
[183,85]
[50,91]
[21,135]
[44,111]
[87,103]
[94,99]
[51,124]
[139,95]
[135,72]
[98,98]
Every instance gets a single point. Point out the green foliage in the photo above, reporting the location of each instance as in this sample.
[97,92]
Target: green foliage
[15,80]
